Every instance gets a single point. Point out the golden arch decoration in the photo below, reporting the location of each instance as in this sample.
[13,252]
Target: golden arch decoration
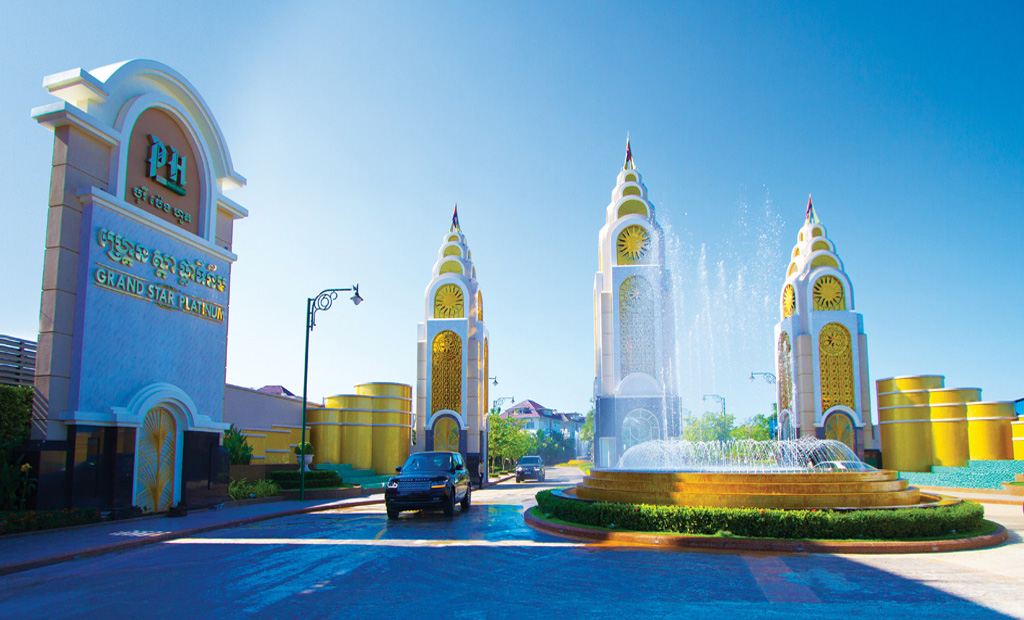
[632,206]
[446,434]
[824,261]
[636,326]
[155,461]
[446,372]
[633,245]
[451,266]
[452,250]
[785,365]
[788,301]
[631,190]
[835,358]
[479,306]
[828,293]
[448,302]
[839,427]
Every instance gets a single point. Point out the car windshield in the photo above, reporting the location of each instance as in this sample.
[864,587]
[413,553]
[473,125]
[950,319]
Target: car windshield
[530,460]
[427,463]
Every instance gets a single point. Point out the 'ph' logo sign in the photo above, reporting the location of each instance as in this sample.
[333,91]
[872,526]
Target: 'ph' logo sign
[160,157]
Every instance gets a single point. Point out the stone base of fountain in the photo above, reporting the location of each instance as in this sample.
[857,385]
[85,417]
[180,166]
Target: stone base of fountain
[789,490]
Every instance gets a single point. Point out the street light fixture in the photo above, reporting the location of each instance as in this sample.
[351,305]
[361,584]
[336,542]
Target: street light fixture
[502,399]
[769,377]
[323,301]
[494,381]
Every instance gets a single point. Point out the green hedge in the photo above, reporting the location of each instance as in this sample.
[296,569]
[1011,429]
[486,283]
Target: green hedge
[29,520]
[15,413]
[903,523]
[317,479]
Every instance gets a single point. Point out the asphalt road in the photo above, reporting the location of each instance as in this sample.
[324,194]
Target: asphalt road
[486,563]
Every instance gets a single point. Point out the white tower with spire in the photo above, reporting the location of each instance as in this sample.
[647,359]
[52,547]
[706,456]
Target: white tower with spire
[635,396]
[452,360]
[820,346]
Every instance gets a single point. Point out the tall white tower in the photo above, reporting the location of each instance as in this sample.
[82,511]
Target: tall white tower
[820,346]
[635,396]
[452,360]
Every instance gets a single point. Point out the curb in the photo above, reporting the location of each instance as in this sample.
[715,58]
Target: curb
[701,543]
[988,496]
[135,543]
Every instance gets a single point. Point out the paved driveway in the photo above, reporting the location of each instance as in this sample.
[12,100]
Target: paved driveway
[486,563]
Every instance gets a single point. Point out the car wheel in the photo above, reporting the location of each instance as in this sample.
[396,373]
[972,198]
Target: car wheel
[393,512]
[465,500]
[449,506]
[518,480]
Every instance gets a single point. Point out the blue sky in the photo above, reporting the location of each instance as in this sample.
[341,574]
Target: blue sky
[358,125]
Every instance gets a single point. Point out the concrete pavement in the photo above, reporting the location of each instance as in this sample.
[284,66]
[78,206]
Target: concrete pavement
[20,552]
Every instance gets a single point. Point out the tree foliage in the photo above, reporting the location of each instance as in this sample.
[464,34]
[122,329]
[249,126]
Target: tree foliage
[756,428]
[507,440]
[711,426]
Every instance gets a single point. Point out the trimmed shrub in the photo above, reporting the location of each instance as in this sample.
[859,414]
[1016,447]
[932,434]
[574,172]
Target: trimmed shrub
[30,520]
[316,479]
[243,489]
[902,523]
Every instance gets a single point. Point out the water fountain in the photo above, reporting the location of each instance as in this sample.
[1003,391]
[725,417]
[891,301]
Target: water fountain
[799,473]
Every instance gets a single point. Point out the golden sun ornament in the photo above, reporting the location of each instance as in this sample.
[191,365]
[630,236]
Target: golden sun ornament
[633,244]
[448,302]
[828,294]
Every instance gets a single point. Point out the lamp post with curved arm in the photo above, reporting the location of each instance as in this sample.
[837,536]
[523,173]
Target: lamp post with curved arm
[323,301]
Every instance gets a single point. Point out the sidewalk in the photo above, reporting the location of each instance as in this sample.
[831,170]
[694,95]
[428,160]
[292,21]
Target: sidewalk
[21,552]
[982,496]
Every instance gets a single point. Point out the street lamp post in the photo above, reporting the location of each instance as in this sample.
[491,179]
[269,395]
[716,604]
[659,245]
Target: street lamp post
[323,301]
[502,399]
[715,397]
[769,377]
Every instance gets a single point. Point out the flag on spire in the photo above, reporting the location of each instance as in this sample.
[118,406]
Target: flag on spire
[628,165]
[455,220]
[811,217]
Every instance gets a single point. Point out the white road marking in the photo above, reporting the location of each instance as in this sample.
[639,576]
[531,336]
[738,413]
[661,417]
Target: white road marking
[364,542]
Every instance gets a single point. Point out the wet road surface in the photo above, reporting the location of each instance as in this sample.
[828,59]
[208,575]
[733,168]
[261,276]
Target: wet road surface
[486,563]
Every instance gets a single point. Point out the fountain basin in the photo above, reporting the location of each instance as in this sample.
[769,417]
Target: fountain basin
[731,489]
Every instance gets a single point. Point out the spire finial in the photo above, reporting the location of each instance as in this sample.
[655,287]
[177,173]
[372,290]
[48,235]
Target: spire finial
[455,220]
[810,217]
[629,164]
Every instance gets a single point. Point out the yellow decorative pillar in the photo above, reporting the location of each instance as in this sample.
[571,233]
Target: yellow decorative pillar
[1017,430]
[989,430]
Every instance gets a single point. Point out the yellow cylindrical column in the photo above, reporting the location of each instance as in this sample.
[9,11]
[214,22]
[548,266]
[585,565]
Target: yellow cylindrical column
[391,420]
[989,431]
[910,384]
[906,438]
[395,390]
[356,413]
[949,434]
[903,399]
[325,434]
[1017,430]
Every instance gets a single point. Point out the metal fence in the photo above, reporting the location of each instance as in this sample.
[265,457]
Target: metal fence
[17,361]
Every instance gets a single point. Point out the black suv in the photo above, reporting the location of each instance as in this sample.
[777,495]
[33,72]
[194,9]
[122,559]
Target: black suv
[428,481]
[530,467]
